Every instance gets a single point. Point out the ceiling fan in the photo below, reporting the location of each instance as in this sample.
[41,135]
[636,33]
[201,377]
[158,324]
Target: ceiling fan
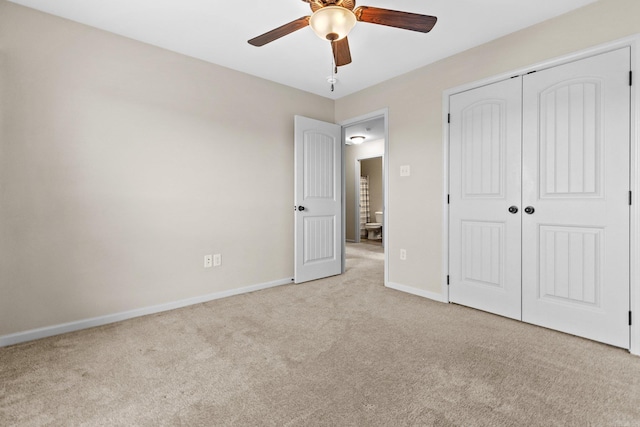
[333,19]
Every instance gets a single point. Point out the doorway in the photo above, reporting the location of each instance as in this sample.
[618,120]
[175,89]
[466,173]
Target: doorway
[319,169]
[365,145]
[367,201]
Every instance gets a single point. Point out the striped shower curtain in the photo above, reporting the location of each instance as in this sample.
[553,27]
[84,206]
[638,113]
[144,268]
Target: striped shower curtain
[364,203]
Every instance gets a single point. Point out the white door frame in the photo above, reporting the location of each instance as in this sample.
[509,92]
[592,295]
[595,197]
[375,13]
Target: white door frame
[634,43]
[356,175]
[385,196]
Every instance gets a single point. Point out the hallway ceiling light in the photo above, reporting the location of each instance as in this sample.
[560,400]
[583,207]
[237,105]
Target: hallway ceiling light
[358,139]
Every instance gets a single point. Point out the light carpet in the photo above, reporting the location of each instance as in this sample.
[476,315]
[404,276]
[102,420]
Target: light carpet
[342,351]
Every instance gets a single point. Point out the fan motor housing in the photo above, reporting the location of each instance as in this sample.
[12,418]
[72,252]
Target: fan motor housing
[319,4]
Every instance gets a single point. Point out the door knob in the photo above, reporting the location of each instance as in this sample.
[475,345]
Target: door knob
[529,210]
[301,208]
[513,209]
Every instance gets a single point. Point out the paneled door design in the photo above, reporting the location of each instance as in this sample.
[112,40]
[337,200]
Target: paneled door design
[575,271]
[318,199]
[539,198]
[484,187]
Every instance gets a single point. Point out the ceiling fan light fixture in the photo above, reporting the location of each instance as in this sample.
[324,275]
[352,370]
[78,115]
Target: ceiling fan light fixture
[358,139]
[332,22]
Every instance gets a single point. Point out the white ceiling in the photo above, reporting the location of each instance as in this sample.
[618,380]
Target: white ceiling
[217,31]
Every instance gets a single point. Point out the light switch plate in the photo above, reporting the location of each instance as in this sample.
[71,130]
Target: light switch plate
[405,170]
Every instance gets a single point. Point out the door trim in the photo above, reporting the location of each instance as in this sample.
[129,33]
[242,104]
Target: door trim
[384,112]
[634,250]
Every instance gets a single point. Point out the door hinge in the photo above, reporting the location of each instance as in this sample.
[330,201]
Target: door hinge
[447,280]
[630,198]
[629,318]
[448,199]
[449,118]
[630,78]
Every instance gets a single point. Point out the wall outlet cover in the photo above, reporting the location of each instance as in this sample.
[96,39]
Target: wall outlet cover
[208,261]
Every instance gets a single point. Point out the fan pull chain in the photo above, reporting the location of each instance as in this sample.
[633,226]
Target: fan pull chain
[334,70]
[333,79]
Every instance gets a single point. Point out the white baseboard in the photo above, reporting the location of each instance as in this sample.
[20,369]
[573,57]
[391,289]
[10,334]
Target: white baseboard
[63,328]
[419,292]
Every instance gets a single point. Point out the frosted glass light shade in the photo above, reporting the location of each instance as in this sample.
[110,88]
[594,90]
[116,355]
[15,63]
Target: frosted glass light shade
[357,139]
[332,22]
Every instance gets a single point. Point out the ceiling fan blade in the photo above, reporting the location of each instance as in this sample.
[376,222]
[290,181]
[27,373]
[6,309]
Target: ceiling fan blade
[275,34]
[395,18]
[341,52]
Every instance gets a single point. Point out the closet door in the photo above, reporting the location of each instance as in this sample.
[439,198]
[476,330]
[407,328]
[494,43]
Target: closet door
[485,147]
[575,227]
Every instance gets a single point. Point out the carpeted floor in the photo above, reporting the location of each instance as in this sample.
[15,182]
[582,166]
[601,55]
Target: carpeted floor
[343,351]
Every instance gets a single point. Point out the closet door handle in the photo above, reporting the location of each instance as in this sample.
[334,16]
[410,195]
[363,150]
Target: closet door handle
[529,210]
[300,208]
[513,209]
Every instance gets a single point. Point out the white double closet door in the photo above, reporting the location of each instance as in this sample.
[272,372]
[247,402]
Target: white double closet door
[539,198]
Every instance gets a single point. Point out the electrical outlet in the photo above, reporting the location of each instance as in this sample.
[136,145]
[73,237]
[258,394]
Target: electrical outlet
[208,261]
[217,260]
[403,254]
[405,170]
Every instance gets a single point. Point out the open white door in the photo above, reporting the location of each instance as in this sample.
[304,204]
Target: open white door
[318,199]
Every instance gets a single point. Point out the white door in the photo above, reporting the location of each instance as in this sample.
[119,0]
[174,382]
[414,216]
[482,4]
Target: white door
[318,199]
[575,269]
[484,182]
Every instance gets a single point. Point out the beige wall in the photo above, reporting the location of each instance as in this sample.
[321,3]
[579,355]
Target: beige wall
[351,154]
[122,165]
[415,124]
